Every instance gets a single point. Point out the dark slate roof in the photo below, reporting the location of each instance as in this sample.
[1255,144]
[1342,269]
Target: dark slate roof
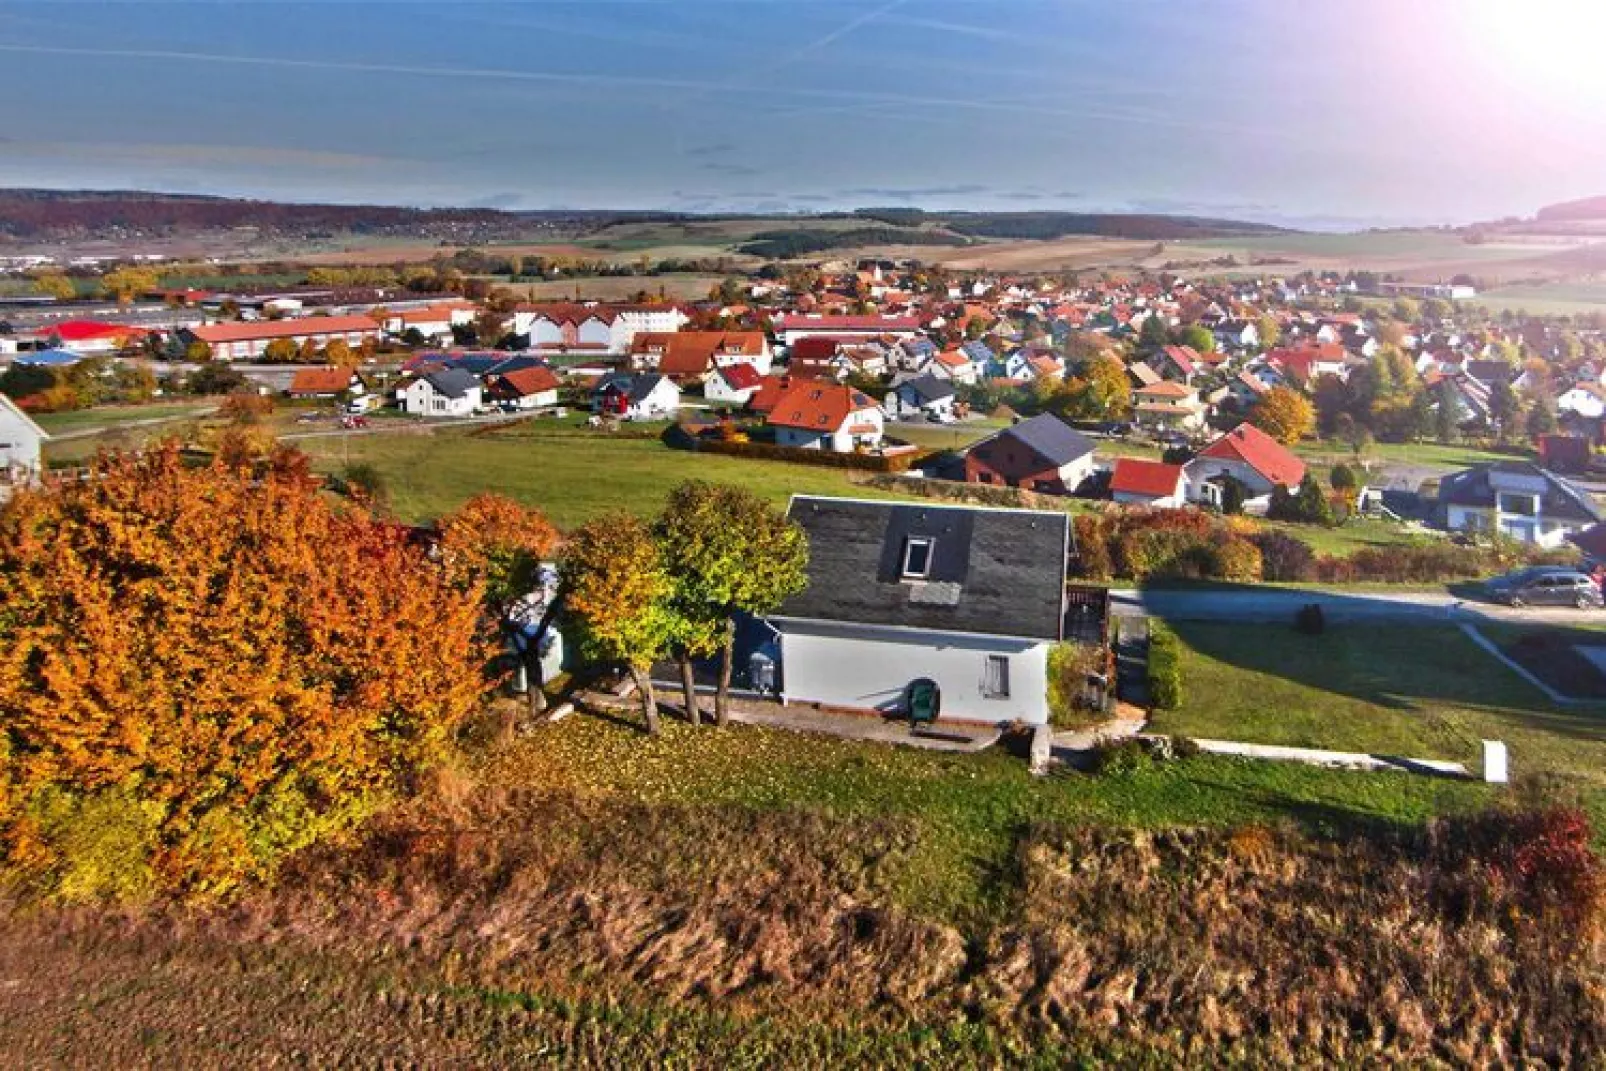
[452,382]
[1562,499]
[636,388]
[1050,438]
[1490,372]
[928,388]
[994,572]
[978,351]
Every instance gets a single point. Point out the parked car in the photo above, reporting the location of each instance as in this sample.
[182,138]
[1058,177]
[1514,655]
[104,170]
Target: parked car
[1545,586]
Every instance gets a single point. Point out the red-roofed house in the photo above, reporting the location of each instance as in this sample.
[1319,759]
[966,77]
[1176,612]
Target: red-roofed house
[733,383]
[1251,457]
[1306,364]
[247,341]
[689,356]
[1168,404]
[1136,482]
[818,415]
[524,388]
[571,327]
[325,382]
[89,337]
[1179,362]
[433,322]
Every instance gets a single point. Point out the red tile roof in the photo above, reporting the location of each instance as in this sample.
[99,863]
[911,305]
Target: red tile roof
[1260,452]
[740,376]
[1152,479]
[87,330]
[1184,357]
[817,405]
[1164,389]
[320,380]
[527,381]
[270,329]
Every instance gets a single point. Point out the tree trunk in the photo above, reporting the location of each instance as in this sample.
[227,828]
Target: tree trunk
[649,701]
[535,683]
[688,683]
[727,654]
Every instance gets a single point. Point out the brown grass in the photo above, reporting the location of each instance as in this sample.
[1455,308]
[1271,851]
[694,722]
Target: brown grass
[494,926]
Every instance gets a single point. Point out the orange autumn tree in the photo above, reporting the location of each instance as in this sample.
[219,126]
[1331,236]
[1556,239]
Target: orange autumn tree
[496,546]
[203,669]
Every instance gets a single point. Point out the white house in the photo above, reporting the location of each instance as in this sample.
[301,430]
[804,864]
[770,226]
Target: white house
[633,397]
[533,387]
[921,397]
[735,383]
[791,328]
[1248,455]
[1587,400]
[968,599]
[601,328]
[452,392]
[20,443]
[1516,499]
[1139,482]
[433,322]
[817,415]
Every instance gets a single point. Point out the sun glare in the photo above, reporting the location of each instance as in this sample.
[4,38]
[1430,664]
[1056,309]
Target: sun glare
[1551,44]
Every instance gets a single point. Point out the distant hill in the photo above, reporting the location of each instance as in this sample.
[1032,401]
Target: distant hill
[1587,208]
[32,215]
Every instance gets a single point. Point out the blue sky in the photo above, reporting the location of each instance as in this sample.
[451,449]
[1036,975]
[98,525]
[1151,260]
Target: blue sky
[1329,112]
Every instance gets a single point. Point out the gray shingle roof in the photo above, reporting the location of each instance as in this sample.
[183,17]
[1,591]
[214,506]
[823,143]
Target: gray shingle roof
[1050,438]
[1562,499]
[993,572]
[452,382]
[928,388]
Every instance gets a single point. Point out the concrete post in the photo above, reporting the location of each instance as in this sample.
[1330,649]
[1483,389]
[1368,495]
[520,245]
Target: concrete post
[1494,762]
[1042,749]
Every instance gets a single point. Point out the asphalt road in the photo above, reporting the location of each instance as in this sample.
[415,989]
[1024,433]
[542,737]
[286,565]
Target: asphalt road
[1278,605]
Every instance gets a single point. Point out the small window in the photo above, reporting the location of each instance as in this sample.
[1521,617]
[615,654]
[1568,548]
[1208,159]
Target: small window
[917,557]
[996,683]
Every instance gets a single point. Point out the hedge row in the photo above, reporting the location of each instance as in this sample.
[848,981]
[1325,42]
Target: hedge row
[826,458]
[971,494]
[1191,545]
[1165,667]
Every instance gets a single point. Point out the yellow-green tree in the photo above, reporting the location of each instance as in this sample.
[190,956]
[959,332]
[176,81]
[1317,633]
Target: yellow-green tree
[1284,414]
[56,285]
[125,284]
[617,589]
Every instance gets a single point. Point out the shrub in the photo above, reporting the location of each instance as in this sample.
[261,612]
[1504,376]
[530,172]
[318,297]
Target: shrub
[1121,757]
[1284,558]
[1069,667]
[1540,861]
[1310,620]
[1165,668]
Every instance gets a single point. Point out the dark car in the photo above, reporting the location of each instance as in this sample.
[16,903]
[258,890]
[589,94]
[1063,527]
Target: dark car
[1546,587]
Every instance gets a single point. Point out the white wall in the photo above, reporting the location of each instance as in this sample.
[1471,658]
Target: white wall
[19,443]
[869,668]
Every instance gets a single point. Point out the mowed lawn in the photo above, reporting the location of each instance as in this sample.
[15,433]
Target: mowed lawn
[571,475]
[120,415]
[1418,691]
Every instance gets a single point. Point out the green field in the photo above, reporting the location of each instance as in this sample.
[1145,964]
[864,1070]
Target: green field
[79,420]
[1423,691]
[1558,299]
[571,474]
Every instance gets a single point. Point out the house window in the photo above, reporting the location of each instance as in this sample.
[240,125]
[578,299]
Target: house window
[995,685]
[917,558]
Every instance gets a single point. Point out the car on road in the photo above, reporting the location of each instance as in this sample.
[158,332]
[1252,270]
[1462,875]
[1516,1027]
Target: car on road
[1545,586]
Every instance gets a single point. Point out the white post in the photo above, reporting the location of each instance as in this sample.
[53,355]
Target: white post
[1494,762]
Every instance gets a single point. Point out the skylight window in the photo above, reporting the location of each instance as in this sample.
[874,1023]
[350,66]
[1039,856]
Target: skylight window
[916,558]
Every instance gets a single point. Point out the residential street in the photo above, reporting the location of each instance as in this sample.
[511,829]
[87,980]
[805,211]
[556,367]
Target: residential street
[1256,604]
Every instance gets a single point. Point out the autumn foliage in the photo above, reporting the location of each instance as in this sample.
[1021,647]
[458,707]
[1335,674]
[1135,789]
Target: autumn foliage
[203,669]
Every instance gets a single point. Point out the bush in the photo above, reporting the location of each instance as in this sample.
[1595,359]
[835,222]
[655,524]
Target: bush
[1165,668]
[1284,558]
[1069,667]
[1310,620]
[1121,757]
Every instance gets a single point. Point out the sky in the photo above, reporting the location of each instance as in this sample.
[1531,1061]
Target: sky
[1323,113]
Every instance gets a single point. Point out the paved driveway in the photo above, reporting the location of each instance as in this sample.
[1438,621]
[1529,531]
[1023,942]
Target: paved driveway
[1278,605]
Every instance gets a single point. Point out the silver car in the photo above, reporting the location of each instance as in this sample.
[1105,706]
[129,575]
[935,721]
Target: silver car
[1546,586]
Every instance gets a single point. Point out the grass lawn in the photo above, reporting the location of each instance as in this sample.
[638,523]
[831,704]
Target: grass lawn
[572,475]
[1424,691]
[115,416]
[1349,537]
[1450,455]
[970,809]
